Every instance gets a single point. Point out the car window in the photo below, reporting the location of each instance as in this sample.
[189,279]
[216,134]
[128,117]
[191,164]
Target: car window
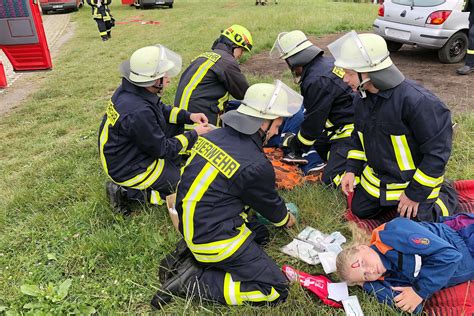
[419,3]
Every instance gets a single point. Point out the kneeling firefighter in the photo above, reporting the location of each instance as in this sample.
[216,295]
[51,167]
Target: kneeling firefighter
[140,138]
[226,172]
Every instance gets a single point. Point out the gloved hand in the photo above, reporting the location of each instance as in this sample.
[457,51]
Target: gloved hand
[316,284]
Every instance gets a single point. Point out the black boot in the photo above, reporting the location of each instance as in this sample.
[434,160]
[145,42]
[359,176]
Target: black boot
[109,34]
[117,198]
[170,264]
[104,38]
[182,284]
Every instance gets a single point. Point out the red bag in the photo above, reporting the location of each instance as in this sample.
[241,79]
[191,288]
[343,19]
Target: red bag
[316,284]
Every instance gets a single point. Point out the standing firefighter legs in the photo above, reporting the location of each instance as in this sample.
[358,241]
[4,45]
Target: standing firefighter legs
[101,14]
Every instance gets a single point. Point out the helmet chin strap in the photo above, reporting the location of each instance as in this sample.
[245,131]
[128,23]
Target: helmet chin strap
[360,88]
[159,86]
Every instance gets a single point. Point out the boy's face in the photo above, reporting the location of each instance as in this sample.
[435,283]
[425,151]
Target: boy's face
[365,265]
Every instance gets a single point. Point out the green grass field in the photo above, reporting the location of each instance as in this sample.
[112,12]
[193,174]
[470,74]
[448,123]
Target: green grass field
[56,224]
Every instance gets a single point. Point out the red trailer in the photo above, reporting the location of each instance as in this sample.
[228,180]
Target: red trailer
[22,36]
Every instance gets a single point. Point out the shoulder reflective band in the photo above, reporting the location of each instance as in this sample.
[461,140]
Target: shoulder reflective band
[216,156]
[197,77]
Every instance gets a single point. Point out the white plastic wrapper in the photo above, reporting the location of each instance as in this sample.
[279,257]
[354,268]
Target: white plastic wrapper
[328,261]
[312,236]
[352,306]
[302,250]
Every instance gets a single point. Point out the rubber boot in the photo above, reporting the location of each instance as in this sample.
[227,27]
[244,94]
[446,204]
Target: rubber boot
[117,198]
[170,264]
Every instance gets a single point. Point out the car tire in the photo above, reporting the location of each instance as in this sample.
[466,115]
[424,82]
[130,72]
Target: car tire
[454,50]
[393,46]
[170,6]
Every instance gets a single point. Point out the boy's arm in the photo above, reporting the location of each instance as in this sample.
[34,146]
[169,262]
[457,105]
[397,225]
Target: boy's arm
[385,294]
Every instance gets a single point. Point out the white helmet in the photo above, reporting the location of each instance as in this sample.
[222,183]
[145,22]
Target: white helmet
[263,101]
[270,101]
[148,64]
[361,53]
[289,43]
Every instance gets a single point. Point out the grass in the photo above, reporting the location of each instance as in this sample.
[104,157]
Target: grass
[55,220]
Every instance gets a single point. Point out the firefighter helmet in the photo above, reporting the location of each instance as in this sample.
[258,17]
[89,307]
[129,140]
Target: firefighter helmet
[148,64]
[239,35]
[361,53]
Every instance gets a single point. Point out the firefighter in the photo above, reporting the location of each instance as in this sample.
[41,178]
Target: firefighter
[101,14]
[329,112]
[469,63]
[407,262]
[226,172]
[402,138]
[207,82]
[140,138]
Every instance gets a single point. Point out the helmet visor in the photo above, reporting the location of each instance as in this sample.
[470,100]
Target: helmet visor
[278,51]
[285,101]
[350,53]
[170,62]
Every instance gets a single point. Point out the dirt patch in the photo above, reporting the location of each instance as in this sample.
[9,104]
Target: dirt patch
[58,31]
[417,64]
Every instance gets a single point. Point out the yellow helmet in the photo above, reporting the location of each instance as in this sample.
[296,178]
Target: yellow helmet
[239,35]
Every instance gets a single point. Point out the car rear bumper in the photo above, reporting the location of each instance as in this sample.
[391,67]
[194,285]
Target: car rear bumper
[157,2]
[412,34]
[58,6]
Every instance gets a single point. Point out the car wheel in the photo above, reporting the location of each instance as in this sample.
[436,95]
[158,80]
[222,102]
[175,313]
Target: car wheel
[170,6]
[454,50]
[393,46]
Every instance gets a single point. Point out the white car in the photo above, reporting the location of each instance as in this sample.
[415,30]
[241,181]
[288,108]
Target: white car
[436,24]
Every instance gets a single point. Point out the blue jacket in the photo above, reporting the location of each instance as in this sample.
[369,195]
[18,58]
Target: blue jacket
[132,137]
[425,256]
[401,143]
[327,102]
[226,172]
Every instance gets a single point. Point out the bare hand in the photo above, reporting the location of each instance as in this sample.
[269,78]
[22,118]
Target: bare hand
[407,300]
[199,118]
[291,220]
[406,207]
[202,129]
[347,183]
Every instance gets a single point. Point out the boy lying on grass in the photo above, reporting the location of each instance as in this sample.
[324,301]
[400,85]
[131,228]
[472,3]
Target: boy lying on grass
[409,261]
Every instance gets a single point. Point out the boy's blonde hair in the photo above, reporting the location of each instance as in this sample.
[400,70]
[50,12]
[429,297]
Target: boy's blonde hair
[344,258]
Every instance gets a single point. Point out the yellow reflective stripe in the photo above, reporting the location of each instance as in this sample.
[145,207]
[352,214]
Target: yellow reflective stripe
[328,124]
[361,137]
[393,195]
[338,178]
[395,186]
[257,296]
[150,179]
[214,247]
[202,182]
[155,198]
[470,51]
[346,131]
[283,222]
[402,152]
[192,84]
[369,174]
[104,136]
[442,206]
[221,101]
[435,193]
[231,290]
[190,126]
[174,115]
[228,251]
[356,154]
[305,141]
[184,142]
[424,179]
[369,188]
